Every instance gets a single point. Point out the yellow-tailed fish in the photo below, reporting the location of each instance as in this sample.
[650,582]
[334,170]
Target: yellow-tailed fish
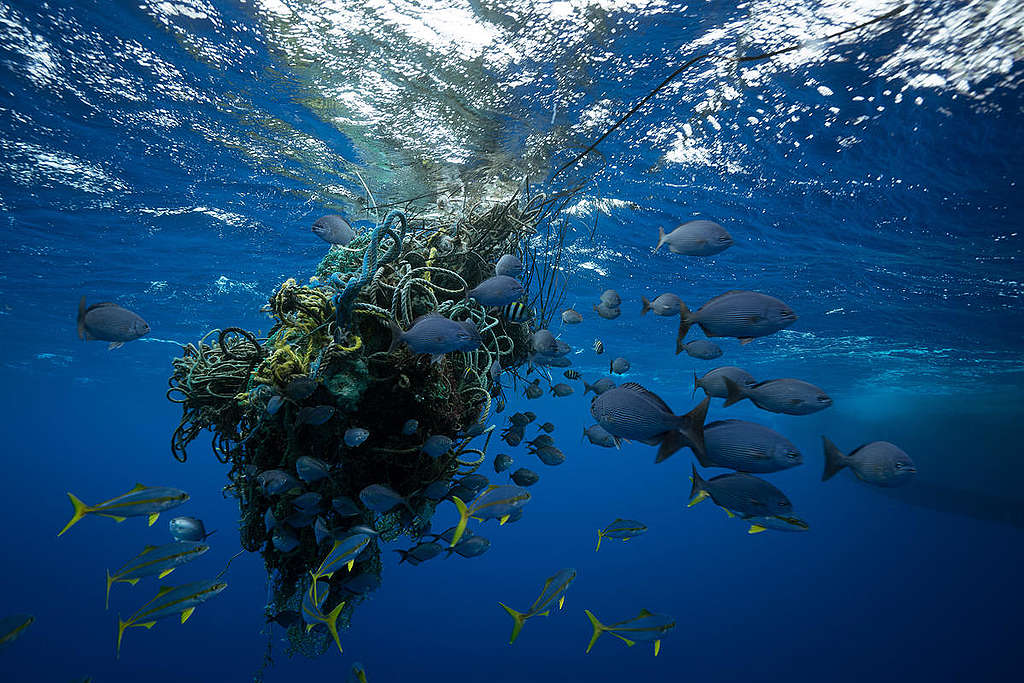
[623,529]
[12,627]
[358,674]
[155,561]
[497,502]
[168,602]
[644,626]
[141,501]
[554,590]
[342,553]
[313,613]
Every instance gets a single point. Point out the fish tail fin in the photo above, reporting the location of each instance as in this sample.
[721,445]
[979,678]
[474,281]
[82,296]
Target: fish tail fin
[588,387]
[463,520]
[684,326]
[735,392]
[599,537]
[110,582]
[396,334]
[693,429]
[81,318]
[121,627]
[697,490]
[646,305]
[598,629]
[332,625]
[81,509]
[835,460]
[518,617]
[405,555]
[209,534]
[696,384]
[661,238]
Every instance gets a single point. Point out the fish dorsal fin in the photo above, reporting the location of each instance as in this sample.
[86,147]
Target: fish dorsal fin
[186,614]
[149,549]
[165,573]
[722,296]
[164,590]
[645,613]
[138,487]
[649,395]
[102,304]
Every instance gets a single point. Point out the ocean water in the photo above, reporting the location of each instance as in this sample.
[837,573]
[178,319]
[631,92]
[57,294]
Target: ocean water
[170,156]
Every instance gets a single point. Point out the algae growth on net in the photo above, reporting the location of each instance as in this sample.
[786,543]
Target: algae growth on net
[327,368]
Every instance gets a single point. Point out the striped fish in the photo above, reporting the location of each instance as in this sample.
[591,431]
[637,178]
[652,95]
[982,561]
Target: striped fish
[141,501]
[170,601]
[571,374]
[516,312]
[155,560]
[598,346]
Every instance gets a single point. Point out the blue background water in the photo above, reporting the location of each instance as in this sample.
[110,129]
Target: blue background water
[170,157]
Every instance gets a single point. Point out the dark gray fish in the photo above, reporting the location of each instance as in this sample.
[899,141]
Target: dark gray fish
[499,290]
[713,381]
[286,618]
[542,341]
[521,419]
[525,477]
[333,229]
[632,412]
[311,469]
[551,361]
[741,494]
[307,501]
[437,490]
[502,462]
[361,584]
[879,463]
[314,416]
[599,436]
[276,482]
[620,529]
[420,553]
[571,316]
[494,372]
[514,516]
[549,455]
[509,266]
[541,441]
[561,389]
[463,493]
[619,366]
[611,298]
[696,238]
[300,388]
[474,481]
[345,506]
[410,427]
[436,335]
[274,404]
[789,396]
[607,312]
[109,322]
[436,445]
[472,546]
[188,529]
[381,498]
[530,415]
[546,427]
[666,305]
[705,349]
[356,436]
[448,534]
[473,430]
[571,374]
[284,539]
[513,435]
[600,386]
[533,390]
[737,313]
[747,447]
[598,347]
[269,520]
[300,519]
[321,531]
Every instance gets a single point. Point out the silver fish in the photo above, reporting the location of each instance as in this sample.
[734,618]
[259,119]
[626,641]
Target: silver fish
[696,238]
[561,389]
[705,349]
[508,265]
[747,447]
[345,506]
[314,416]
[611,298]
[542,341]
[789,396]
[499,290]
[420,553]
[737,313]
[436,445]
[381,498]
[666,305]
[307,501]
[188,529]
[600,386]
[713,381]
[471,546]
[436,335]
[549,455]
[333,229]
[109,322]
[356,436]
[599,436]
[311,469]
[879,463]
[276,482]
[607,312]
[284,539]
[619,366]
[571,316]
[632,412]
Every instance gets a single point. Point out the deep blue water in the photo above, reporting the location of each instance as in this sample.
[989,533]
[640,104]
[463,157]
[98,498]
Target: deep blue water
[170,156]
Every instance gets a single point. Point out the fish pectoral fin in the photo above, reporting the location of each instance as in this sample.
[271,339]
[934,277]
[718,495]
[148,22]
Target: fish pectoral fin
[153,518]
[729,513]
[137,487]
[131,581]
[186,614]
[756,529]
[657,647]
[701,495]
[116,518]
[351,563]
[501,522]
[477,519]
[561,602]
[624,639]
[164,573]
[147,624]
[164,591]
[114,345]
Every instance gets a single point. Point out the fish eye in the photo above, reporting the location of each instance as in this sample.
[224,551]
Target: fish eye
[783,503]
[823,398]
[724,238]
[792,454]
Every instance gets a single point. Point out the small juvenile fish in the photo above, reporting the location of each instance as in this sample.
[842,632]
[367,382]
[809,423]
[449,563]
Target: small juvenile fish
[598,347]
[436,490]
[140,501]
[474,481]
[533,390]
[381,498]
[436,335]
[695,238]
[738,313]
[561,389]
[607,312]
[632,412]
[300,388]
[473,546]
[307,501]
[109,322]
[345,506]
[499,290]
[314,416]
[437,445]
[495,503]
[516,312]
[502,462]
[420,553]
[188,529]
[600,386]
[571,316]
[521,419]
[643,627]
[333,229]
[619,366]
[571,374]
[284,539]
[276,482]
[789,396]
[541,441]
[168,602]
[269,520]
[705,349]
[666,305]
[524,477]
[879,463]
[410,427]
[513,435]
[355,436]
[509,266]
[713,381]
[611,298]
[546,427]
[599,436]
[274,404]
[747,447]
[311,469]
[12,627]
[553,592]
[622,529]
[542,341]
[740,494]
[549,455]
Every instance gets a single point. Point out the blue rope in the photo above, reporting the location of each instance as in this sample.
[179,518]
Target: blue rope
[371,262]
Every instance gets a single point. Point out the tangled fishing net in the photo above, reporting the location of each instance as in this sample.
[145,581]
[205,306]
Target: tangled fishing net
[330,338]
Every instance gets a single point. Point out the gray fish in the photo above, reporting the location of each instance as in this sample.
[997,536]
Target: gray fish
[621,529]
[321,531]
[499,290]
[747,447]
[533,389]
[521,419]
[109,322]
[789,396]
[879,463]
[530,416]
[713,381]
[381,498]
[345,506]
[473,430]
[284,539]
[274,404]
[541,441]
[356,436]
[437,490]
[542,341]
[546,427]
[300,519]
[632,412]
[12,627]
[276,482]
[619,366]
[513,435]
[561,389]
[666,305]
[599,436]
[551,361]
[598,347]
[494,372]
[269,520]
[502,462]
[188,529]
[549,455]
[473,546]
[737,313]
[314,416]
[437,445]
[307,501]
[361,584]
[561,348]
[286,618]
[741,494]
[607,312]
[611,298]
[420,553]
[524,477]
[571,316]
[509,266]
[410,427]
[333,229]
[705,349]
[474,481]
[311,469]
[696,238]
[600,386]
[436,335]
[300,388]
